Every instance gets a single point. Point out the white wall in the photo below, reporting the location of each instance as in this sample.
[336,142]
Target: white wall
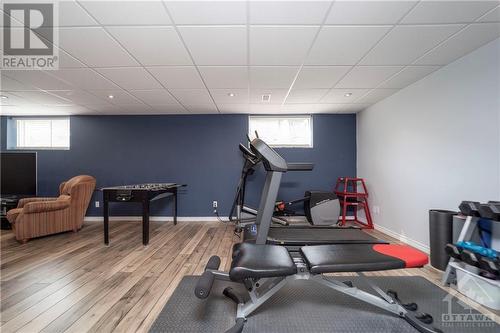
[433,144]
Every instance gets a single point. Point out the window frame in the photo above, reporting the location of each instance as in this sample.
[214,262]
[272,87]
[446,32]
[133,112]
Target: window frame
[311,128]
[12,135]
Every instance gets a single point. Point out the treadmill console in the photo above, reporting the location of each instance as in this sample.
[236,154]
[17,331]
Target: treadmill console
[270,158]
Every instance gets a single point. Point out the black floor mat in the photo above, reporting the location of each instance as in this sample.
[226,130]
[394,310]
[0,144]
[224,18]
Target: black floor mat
[305,306]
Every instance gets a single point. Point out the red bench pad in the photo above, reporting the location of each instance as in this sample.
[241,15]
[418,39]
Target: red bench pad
[411,256]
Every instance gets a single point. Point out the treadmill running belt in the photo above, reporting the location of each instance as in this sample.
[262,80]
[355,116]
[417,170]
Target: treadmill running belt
[308,236]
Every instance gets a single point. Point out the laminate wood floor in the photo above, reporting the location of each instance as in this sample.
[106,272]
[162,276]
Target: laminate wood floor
[72,282]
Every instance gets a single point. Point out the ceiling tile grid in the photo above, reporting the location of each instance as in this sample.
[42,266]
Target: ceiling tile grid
[223,56]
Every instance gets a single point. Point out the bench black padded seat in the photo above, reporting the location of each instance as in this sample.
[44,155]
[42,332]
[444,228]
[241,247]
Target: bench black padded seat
[361,257]
[261,261]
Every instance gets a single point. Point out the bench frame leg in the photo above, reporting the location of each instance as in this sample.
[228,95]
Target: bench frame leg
[260,290]
[263,289]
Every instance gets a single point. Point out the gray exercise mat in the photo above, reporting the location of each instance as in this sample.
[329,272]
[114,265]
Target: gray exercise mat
[305,306]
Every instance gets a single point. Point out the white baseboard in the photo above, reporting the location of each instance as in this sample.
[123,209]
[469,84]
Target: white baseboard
[421,246]
[157,218]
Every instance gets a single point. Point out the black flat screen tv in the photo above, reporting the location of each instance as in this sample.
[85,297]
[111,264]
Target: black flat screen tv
[18,174]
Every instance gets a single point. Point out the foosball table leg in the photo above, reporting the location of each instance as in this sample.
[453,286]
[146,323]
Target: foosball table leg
[175,207]
[145,222]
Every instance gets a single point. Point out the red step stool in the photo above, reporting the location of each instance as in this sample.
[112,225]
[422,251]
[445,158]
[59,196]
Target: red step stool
[352,192]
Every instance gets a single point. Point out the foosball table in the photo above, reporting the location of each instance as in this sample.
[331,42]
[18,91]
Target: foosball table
[140,193]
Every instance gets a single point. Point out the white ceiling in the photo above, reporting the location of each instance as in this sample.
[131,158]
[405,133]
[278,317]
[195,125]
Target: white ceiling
[183,57]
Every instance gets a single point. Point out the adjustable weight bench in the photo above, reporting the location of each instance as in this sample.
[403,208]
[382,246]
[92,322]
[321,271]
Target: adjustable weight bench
[265,269]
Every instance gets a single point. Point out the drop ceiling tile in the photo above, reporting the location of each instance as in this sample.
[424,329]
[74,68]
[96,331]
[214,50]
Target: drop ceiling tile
[273,45]
[94,47]
[80,97]
[169,109]
[376,95]
[408,76]
[298,108]
[43,98]
[367,76]
[368,12]
[105,109]
[404,44]
[37,110]
[467,40]
[182,77]
[319,76]
[234,108]
[37,78]
[448,11]
[130,77]
[13,99]
[225,76]
[68,61]
[72,109]
[128,12]
[277,96]
[305,96]
[202,109]
[272,77]
[154,97]
[73,15]
[492,16]
[6,83]
[344,45]
[210,45]
[326,108]
[120,97]
[192,96]
[205,12]
[265,109]
[152,46]
[288,12]
[83,78]
[340,108]
[339,95]
[222,96]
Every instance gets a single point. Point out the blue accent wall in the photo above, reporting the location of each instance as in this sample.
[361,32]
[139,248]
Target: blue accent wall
[199,150]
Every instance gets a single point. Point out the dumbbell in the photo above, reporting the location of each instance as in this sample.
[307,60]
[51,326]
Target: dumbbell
[469,208]
[489,265]
[470,258]
[490,211]
[453,251]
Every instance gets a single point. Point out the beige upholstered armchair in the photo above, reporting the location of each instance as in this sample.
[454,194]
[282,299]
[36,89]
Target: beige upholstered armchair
[35,217]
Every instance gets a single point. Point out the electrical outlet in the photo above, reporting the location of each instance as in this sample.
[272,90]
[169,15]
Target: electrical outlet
[214,204]
[97,204]
[376,210]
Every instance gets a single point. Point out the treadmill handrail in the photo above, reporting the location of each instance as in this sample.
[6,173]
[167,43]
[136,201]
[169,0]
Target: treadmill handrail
[249,155]
[300,166]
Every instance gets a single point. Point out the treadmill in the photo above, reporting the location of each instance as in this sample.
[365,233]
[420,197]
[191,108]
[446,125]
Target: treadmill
[264,232]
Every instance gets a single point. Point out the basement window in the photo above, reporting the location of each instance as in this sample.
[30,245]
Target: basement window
[38,133]
[282,131]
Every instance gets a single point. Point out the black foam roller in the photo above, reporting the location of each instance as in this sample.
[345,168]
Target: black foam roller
[441,233]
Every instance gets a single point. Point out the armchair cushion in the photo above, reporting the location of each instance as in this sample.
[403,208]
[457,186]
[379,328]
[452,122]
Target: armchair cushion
[47,206]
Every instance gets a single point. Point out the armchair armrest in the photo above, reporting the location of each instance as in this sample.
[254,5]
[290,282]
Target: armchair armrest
[61,186]
[46,206]
[25,201]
